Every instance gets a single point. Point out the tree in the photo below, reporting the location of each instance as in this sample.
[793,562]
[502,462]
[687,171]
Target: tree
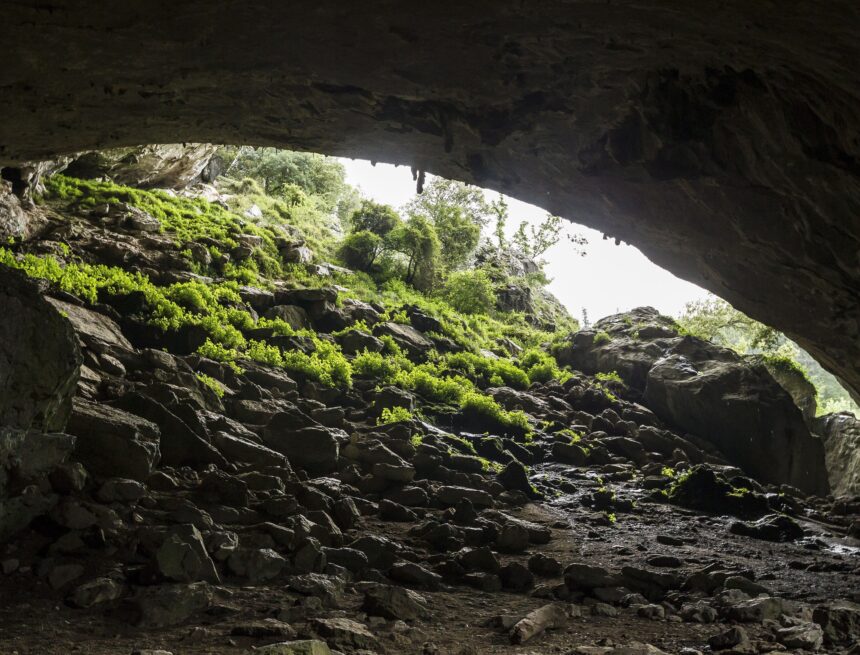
[457,211]
[499,210]
[716,320]
[417,241]
[360,250]
[470,292]
[534,242]
[276,170]
[374,217]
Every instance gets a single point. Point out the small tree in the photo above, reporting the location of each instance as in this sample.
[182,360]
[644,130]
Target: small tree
[374,217]
[470,292]
[360,250]
[499,210]
[457,211]
[417,241]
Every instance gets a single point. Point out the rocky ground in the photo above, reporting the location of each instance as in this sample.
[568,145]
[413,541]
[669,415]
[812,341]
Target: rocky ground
[164,501]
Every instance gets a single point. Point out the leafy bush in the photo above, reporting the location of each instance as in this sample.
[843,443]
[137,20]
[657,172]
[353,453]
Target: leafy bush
[485,370]
[470,292]
[486,407]
[212,383]
[360,250]
[540,366]
[601,337]
[394,415]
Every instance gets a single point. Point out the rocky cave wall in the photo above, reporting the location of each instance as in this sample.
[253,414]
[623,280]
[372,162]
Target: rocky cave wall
[720,138]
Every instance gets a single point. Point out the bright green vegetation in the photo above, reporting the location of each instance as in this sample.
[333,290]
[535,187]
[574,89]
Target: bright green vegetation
[601,337]
[394,415]
[611,377]
[716,320]
[275,200]
[212,383]
[470,292]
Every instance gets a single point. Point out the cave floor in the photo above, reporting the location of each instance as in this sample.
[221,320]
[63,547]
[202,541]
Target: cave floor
[35,620]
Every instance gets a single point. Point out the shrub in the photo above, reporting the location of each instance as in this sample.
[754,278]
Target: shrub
[394,415]
[601,337]
[375,365]
[360,250]
[470,292]
[212,383]
[486,407]
[540,366]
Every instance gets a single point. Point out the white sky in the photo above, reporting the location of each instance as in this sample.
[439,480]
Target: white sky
[608,279]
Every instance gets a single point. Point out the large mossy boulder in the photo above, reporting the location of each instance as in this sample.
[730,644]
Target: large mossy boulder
[705,390]
[711,392]
[840,433]
[39,358]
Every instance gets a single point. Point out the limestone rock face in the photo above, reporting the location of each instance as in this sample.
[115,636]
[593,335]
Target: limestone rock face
[841,436]
[721,139]
[112,442]
[14,220]
[171,166]
[708,391]
[39,358]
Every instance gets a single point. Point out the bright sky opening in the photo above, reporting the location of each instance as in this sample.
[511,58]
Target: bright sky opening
[607,280]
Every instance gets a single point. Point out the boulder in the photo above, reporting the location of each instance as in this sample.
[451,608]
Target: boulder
[840,621]
[95,592]
[39,358]
[705,390]
[15,222]
[394,603]
[793,380]
[256,564]
[183,557]
[179,444]
[356,341]
[345,634]
[710,392]
[300,647]
[114,443]
[413,342]
[96,330]
[628,343]
[841,436]
[294,316]
[239,449]
[312,448]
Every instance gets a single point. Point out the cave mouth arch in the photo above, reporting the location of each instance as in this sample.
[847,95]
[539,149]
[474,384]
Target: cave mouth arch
[720,140]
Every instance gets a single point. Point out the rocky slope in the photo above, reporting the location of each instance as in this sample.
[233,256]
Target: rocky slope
[199,466]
